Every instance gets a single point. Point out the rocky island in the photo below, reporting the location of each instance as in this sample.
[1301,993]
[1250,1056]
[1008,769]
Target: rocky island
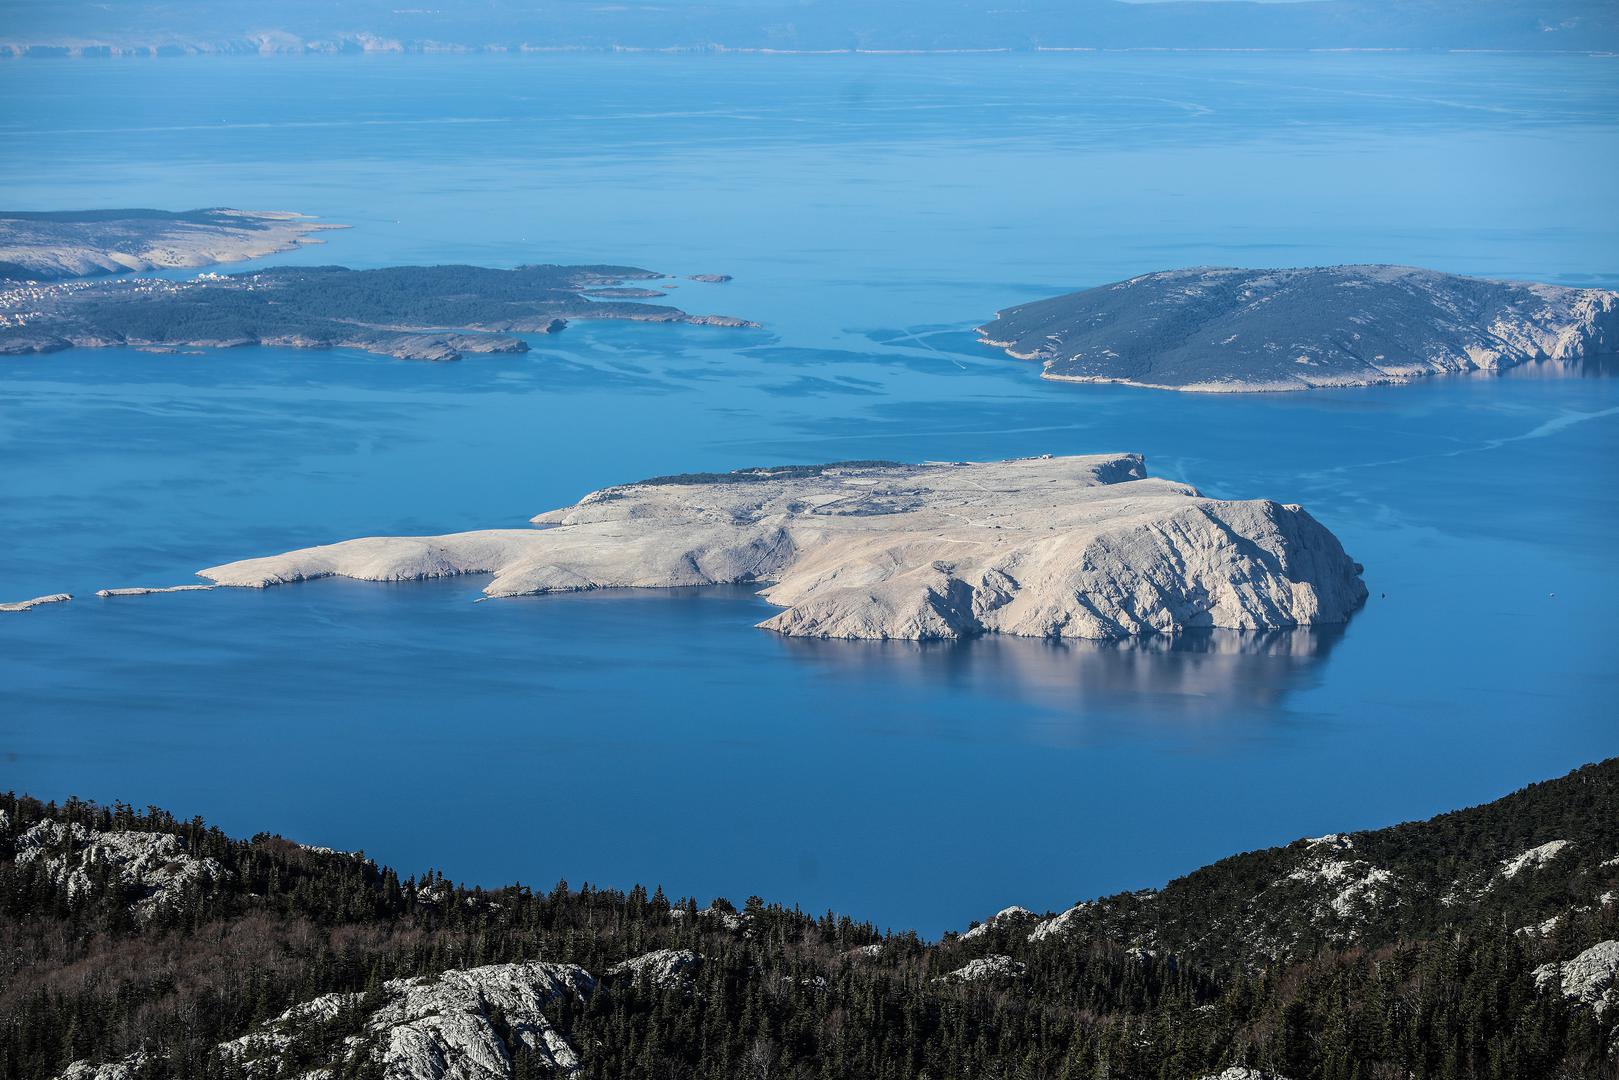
[411,312]
[1225,330]
[53,245]
[1416,950]
[1051,547]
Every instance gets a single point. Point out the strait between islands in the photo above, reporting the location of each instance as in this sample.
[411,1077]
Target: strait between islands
[1051,547]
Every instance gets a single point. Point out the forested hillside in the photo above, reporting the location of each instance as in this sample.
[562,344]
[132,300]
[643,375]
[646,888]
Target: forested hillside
[1478,944]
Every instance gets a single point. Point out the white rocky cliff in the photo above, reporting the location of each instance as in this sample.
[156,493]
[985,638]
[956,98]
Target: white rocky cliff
[1069,547]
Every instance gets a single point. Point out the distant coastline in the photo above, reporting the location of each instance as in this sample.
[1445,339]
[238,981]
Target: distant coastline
[80,28]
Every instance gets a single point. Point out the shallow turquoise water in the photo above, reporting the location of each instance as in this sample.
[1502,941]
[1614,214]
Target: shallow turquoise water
[872,209]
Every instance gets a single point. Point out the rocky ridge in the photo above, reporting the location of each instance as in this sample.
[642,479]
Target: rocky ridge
[462,1024]
[156,868]
[1072,547]
[1176,973]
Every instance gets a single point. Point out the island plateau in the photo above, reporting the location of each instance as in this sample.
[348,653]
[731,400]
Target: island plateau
[1051,547]
[51,245]
[1480,945]
[412,312]
[1226,330]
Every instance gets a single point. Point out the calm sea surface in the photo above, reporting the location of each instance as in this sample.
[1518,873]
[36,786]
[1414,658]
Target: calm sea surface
[872,210]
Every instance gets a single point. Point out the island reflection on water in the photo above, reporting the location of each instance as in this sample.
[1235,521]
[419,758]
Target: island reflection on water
[1196,676]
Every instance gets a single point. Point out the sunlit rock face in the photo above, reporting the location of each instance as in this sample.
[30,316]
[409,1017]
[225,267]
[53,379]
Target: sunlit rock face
[157,868]
[1071,547]
[1591,978]
[462,1024]
[1223,330]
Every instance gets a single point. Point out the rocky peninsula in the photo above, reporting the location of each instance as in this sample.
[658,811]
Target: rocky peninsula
[1227,330]
[1051,547]
[410,312]
[54,245]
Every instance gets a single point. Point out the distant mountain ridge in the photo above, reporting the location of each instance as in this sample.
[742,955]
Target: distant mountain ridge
[79,28]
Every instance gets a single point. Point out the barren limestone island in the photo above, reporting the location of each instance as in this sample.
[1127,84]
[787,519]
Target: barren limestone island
[412,312]
[1225,330]
[52,245]
[1480,944]
[1052,547]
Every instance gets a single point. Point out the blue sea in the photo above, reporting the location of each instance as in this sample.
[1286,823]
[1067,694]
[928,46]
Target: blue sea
[872,210]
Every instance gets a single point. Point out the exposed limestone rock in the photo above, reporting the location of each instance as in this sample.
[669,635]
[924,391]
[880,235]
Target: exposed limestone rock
[666,969]
[1076,547]
[442,347]
[1533,859]
[1540,929]
[1004,917]
[156,865]
[141,591]
[1591,978]
[1242,1072]
[1350,888]
[996,966]
[436,1028]
[38,601]
[1225,330]
[1057,924]
[427,1028]
[259,1052]
[127,1069]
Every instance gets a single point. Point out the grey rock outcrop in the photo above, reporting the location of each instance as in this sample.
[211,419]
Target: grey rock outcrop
[157,866]
[1074,547]
[38,601]
[142,590]
[665,969]
[1591,978]
[988,967]
[1224,330]
[1533,859]
[462,1024]
[1005,917]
